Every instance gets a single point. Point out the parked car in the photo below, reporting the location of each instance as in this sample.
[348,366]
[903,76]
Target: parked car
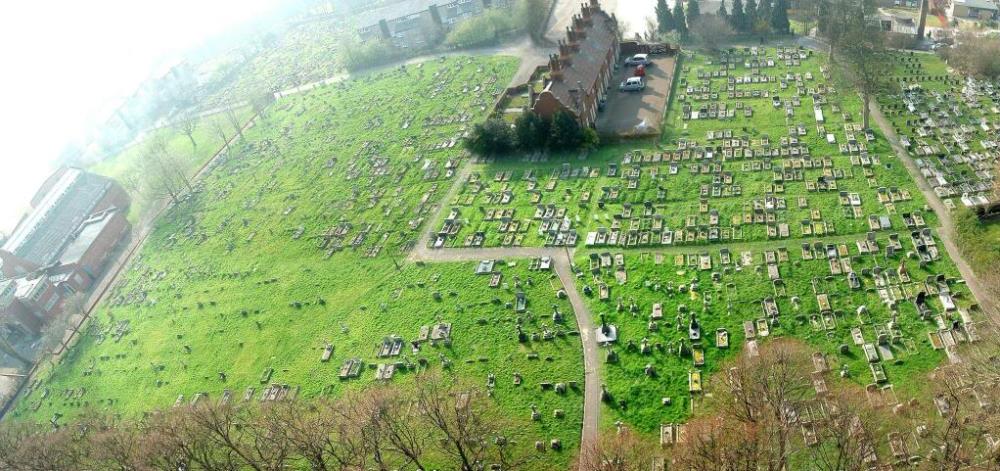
[633,84]
[638,59]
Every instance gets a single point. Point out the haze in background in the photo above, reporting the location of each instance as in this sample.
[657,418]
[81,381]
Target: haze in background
[65,62]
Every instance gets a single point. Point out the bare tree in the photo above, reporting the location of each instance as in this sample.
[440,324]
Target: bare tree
[864,61]
[719,443]
[622,450]
[709,31]
[164,172]
[114,443]
[220,130]
[325,434]
[188,126]
[459,420]
[765,394]
[393,414]
[233,117]
[847,433]
[975,55]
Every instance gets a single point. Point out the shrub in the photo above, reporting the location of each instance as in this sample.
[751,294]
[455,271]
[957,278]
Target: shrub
[566,132]
[532,131]
[494,136]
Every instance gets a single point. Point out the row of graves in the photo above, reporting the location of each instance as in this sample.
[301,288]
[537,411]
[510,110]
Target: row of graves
[645,225]
[384,147]
[793,175]
[950,127]
[858,297]
[523,207]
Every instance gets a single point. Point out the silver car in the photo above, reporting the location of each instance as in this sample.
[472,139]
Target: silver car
[632,84]
[638,59]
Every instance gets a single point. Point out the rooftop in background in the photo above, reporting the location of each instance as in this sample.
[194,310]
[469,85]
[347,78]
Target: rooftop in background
[64,202]
[979,4]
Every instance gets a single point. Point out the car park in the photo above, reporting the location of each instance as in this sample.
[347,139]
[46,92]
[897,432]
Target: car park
[638,59]
[632,84]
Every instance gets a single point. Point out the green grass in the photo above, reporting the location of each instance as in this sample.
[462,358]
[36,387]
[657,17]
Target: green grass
[736,297]
[675,197]
[933,85]
[127,165]
[727,296]
[234,279]
[363,301]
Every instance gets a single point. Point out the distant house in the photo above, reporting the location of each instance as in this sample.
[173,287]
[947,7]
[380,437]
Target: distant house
[580,74]
[974,9]
[898,24]
[419,23]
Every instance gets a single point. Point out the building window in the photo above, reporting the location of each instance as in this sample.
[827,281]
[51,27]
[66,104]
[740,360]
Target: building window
[51,304]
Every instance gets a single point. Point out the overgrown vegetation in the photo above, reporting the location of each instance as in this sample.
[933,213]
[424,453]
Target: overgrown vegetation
[975,55]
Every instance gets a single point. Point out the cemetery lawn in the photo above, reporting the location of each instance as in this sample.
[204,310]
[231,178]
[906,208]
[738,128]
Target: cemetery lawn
[247,324]
[640,190]
[737,297]
[127,165]
[948,126]
[292,241]
[700,186]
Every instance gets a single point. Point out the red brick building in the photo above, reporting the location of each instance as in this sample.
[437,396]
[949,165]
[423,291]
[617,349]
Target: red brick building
[87,254]
[580,74]
[60,247]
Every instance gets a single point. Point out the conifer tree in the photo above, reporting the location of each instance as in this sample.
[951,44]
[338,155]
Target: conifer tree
[680,19]
[750,8]
[664,19]
[693,12]
[737,18]
[779,17]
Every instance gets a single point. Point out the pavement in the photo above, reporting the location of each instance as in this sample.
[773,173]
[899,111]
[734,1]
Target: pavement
[638,113]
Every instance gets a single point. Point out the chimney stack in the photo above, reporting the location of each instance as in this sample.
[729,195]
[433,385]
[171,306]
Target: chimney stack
[564,50]
[570,35]
[579,27]
[555,67]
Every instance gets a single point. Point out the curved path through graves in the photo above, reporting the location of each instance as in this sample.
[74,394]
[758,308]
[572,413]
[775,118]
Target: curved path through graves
[946,231]
[563,263]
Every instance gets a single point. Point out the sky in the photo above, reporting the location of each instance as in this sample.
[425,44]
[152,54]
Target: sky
[64,61]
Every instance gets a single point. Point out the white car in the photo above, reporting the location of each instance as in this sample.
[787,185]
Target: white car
[638,59]
[632,84]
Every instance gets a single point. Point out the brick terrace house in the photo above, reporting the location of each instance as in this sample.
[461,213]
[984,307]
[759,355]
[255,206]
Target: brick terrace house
[580,74]
[60,247]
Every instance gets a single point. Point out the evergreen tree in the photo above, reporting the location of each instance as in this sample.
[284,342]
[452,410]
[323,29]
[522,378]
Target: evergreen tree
[532,131]
[565,133]
[722,11]
[737,18]
[693,12]
[750,8]
[779,17]
[664,19]
[764,11]
[680,18]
